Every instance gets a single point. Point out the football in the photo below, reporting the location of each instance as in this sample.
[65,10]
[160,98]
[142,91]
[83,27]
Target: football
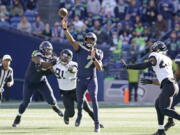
[63,12]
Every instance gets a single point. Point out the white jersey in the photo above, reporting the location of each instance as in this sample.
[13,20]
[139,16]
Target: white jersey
[163,67]
[66,79]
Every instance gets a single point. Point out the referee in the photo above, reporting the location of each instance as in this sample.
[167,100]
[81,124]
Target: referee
[6,74]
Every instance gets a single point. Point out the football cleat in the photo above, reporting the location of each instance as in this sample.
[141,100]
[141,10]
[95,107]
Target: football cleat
[78,120]
[16,121]
[101,125]
[169,124]
[159,132]
[97,128]
[66,120]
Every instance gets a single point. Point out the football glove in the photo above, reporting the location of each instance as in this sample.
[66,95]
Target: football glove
[146,81]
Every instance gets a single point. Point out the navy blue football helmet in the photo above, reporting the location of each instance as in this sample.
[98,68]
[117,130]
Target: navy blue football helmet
[46,48]
[66,56]
[90,39]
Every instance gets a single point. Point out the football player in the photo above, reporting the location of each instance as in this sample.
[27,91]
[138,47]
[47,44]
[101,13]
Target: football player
[162,66]
[89,59]
[176,99]
[66,73]
[35,79]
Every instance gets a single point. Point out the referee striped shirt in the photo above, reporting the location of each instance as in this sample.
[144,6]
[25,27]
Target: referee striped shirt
[5,76]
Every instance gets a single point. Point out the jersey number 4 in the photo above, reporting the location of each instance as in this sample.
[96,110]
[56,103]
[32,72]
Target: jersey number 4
[162,64]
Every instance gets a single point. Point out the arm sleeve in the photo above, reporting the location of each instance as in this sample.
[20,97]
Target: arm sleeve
[140,65]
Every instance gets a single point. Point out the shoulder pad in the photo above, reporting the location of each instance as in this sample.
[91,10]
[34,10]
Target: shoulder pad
[36,53]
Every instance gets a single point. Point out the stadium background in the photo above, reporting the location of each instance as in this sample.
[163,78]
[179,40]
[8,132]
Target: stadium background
[125,29]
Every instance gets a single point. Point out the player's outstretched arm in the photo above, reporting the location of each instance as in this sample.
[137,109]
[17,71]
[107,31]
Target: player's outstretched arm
[148,81]
[69,37]
[139,66]
[42,64]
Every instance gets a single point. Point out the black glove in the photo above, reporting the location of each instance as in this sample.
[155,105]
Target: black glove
[124,65]
[146,81]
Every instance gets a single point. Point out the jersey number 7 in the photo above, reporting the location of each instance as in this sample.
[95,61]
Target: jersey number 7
[90,62]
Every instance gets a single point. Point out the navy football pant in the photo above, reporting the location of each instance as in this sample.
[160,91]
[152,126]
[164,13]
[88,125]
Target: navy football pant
[164,101]
[28,90]
[91,85]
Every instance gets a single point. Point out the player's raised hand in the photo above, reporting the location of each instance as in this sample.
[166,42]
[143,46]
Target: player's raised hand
[64,23]
[123,63]
[145,81]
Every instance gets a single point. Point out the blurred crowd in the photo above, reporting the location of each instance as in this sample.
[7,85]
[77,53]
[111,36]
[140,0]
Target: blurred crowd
[126,28]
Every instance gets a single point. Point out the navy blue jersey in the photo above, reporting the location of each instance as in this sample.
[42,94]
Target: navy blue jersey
[86,68]
[33,73]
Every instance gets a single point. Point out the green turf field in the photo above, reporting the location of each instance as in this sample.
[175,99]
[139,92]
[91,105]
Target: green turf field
[117,121]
